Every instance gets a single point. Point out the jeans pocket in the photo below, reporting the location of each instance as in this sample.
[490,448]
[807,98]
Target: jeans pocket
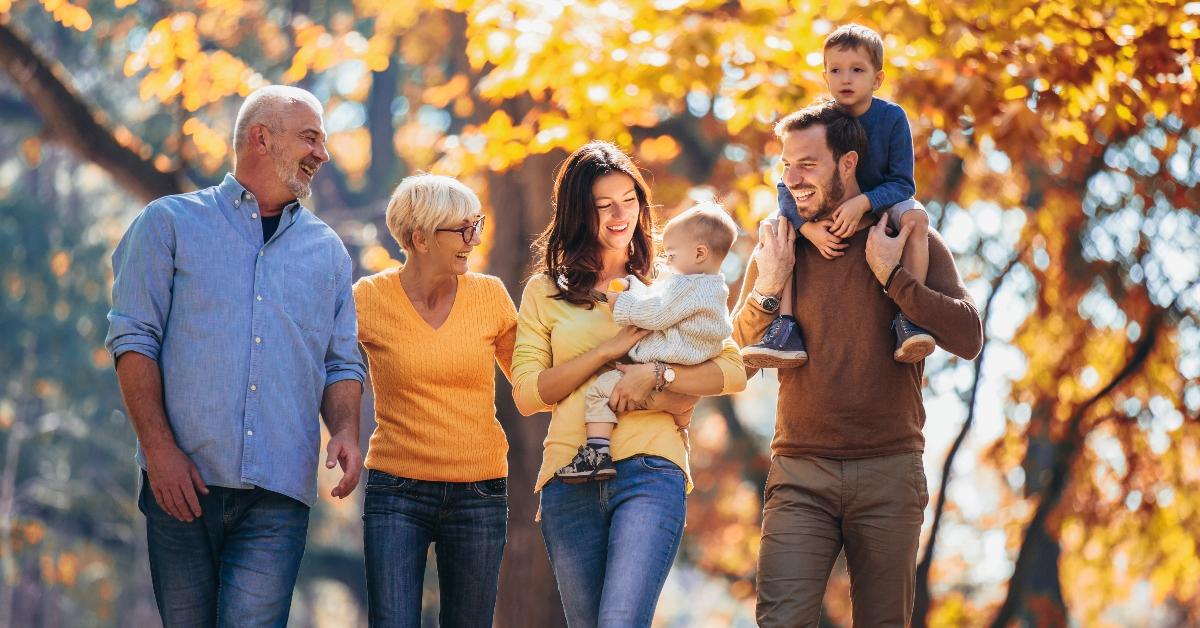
[379,481]
[922,484]
[491,489]
[659,464]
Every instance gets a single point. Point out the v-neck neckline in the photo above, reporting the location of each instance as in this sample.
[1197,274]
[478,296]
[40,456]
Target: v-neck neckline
[413,309]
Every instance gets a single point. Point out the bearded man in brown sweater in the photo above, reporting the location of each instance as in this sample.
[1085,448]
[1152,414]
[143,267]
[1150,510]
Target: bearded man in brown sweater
[846,470]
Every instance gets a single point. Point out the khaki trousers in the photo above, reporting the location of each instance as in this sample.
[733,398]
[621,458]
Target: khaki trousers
[815,507]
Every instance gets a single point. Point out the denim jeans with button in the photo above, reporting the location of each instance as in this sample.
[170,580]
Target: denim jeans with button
[612,542]
[467,523]
[235,565]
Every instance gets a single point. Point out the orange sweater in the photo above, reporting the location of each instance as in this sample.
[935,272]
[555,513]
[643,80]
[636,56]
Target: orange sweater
[435,389]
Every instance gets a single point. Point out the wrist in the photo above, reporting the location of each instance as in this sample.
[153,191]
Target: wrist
[768,288]
[891,276]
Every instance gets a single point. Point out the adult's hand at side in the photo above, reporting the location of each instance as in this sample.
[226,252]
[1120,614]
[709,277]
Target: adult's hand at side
[884,253]
[343,450]
[775,256]
[174,481]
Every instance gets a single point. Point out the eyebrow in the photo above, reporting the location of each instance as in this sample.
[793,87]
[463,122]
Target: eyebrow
[314,131]
[622,195]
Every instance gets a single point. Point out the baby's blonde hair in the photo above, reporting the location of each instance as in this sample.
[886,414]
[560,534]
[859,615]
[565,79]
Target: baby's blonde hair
[708,223]
[424,202]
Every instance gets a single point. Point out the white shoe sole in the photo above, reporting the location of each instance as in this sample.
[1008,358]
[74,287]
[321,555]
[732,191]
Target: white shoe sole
[764,358]
[915,349]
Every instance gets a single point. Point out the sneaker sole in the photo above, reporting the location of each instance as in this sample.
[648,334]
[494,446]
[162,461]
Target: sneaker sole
[589,477]
[758,358]
[915,349]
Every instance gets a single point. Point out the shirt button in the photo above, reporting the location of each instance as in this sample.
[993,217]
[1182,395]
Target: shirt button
[237,203]
[258,297]
[262,253]
[253,387]
[257,340]
[249,432]
[254,215]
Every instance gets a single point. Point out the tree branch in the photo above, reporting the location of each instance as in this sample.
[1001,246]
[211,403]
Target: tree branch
[71,122]
[923,600]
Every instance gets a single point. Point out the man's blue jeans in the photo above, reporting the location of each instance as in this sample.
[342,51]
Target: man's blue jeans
[466,521]
[612,542]
[235,565]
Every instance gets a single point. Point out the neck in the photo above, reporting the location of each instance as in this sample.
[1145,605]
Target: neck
[862,107]
[271,199]
[425,283]
[612,264]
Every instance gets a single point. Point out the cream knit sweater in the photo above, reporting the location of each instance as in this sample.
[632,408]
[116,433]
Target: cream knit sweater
[687,314]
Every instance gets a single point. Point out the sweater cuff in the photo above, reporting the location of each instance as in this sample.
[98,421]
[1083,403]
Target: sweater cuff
[620,309]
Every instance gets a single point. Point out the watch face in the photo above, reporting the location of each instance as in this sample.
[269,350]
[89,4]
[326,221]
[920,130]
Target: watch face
[770,303]
[669,375]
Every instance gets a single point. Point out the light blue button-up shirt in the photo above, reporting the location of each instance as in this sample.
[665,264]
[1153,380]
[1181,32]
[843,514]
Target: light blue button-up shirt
[248,334]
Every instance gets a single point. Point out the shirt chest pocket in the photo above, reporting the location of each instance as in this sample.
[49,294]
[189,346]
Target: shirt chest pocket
[305,293]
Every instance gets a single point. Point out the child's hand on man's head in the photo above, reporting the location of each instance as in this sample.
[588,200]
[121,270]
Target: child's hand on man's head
[820,234]
[847,216]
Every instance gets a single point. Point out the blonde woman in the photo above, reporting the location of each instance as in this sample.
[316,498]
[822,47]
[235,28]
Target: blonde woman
[437,461]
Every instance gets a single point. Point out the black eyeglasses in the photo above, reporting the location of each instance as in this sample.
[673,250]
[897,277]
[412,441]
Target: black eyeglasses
[468,232]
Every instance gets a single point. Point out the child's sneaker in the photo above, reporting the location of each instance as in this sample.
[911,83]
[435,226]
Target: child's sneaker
[913,344]
[590,463]
[781,347]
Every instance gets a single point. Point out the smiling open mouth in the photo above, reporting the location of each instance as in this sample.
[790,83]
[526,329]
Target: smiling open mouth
[618,228]
[308,169]
[803,195]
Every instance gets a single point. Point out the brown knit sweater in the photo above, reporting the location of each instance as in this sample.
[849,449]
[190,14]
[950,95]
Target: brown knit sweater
[852,400]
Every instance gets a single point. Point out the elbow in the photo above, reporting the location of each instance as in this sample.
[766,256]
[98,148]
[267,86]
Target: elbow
[735,381]
[528,402]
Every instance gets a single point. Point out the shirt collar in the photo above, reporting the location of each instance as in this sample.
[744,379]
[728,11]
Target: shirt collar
[237,194]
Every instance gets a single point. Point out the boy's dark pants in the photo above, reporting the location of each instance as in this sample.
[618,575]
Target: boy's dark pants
[815,507]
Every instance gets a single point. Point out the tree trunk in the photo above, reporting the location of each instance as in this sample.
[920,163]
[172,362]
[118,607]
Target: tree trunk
[71,122]
[520,200]
[1034,593]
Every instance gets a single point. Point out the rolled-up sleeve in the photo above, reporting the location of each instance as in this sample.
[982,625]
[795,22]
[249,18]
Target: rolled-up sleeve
[143,276]
[733,372]
[342,358]
[532,352]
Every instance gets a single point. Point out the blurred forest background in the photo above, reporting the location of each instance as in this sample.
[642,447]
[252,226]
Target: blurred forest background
[1058,150]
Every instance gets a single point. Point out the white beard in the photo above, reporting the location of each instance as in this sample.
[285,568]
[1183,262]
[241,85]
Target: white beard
[288,175]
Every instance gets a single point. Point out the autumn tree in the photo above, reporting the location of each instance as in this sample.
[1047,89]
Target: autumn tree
[1056,149]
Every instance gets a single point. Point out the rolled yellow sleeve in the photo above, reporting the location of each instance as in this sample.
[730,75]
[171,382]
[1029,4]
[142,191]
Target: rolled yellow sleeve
[732,370]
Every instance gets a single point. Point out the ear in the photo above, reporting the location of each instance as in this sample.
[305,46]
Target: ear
[420,241]
[878,80]
[848,164]
[701,253]
[259,139]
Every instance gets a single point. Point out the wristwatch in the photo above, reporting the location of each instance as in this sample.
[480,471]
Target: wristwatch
[664,375]
[767,302]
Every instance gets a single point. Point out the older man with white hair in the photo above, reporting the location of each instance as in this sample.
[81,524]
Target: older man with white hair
[232,327]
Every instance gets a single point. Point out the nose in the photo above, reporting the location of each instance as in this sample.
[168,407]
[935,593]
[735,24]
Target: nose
[319,151]
[792,177]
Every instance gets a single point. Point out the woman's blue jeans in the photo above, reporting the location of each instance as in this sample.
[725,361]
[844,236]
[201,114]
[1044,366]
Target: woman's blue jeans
[612,542]
[467,523]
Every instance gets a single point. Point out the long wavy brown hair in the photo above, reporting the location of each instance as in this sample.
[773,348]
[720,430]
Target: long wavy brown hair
[568,251]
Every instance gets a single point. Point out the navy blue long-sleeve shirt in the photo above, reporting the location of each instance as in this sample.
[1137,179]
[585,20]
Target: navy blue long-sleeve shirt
[885,173]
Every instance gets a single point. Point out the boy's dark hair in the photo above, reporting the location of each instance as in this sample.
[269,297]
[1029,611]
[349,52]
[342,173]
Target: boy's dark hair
[843,132]
[857,36]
